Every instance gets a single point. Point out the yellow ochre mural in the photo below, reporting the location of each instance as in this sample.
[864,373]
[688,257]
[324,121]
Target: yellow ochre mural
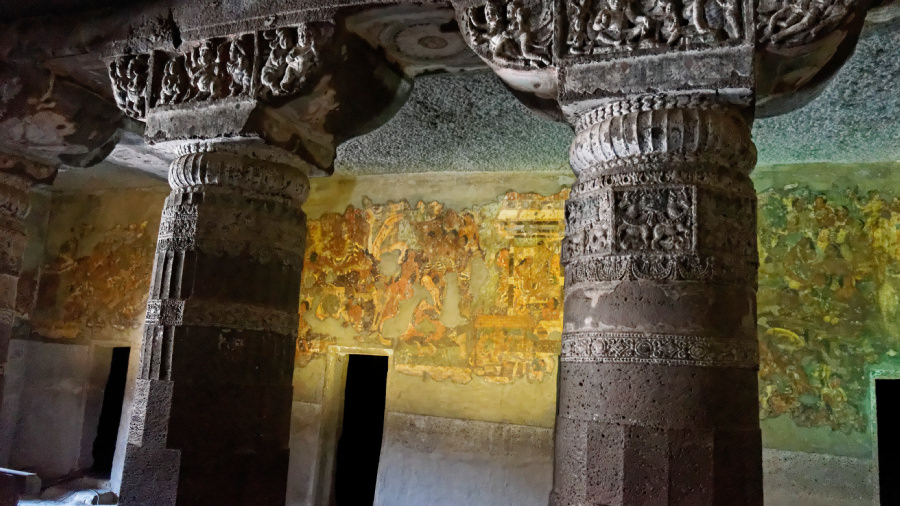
[455,293]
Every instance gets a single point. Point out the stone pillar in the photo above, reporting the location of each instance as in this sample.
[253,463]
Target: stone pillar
[252,115]
[657,382]
[212,404]
[14,207]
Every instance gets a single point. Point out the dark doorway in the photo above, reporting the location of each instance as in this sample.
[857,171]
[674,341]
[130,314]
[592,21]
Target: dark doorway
[887,400]
[359,446]
[108,426]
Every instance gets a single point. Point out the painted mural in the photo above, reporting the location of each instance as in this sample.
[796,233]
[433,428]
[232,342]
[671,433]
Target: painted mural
[95,277]
[455,293]
[829,300]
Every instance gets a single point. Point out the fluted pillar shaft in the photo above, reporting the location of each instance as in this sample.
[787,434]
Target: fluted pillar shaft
[14,207]
[212,405]
[657,382]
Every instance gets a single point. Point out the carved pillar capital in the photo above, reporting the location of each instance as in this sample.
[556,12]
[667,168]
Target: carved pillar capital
[561,53]
[651,132]
[292,87]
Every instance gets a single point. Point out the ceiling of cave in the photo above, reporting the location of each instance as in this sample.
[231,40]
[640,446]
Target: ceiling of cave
[466,121]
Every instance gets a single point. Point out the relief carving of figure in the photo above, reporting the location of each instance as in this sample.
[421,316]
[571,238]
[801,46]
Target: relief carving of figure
[300,59]
[174,82]
[118,73]
[577,39]
[202,70]
[510,38]
[619,24]
[239,68]
[136,84]
[695,13]
[633,223]
[288,64]
[798,22]
[670,25]
[658,219]
[731,14]
[672,232]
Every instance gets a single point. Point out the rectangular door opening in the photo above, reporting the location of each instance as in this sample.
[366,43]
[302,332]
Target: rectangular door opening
[111,411]
[887,400]
[359,446]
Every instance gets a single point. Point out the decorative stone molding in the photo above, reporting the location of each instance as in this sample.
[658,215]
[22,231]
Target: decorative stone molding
[168,312]
[164,312]
[261,65]
[730,269]
[663,349]
[646,132]
[14,199]
[415,37]
[7,315]
[202,166]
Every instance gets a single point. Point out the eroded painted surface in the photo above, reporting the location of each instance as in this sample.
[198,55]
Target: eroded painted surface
[458,293]
[829,299]
[97,266]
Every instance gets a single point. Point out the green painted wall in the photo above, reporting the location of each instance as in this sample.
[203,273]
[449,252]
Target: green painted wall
[829,301]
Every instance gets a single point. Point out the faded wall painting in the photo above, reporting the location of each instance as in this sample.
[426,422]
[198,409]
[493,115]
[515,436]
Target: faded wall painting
[829,294]
[456,293]
[96,272]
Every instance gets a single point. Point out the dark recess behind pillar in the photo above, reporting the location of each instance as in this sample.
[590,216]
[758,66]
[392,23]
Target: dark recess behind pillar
[111,412]
[359,447]
[887,397]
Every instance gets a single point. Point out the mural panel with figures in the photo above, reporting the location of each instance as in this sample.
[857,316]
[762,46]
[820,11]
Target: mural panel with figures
[829,300]
[456,293]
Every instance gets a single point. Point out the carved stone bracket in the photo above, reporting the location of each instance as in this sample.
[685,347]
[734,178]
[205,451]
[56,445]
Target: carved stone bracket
[266,64]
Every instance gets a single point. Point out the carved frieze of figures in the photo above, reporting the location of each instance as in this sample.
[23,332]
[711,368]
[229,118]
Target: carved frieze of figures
[218,68]
[129,80]
[798,22]
[511,33]
[602,26]
[292,54]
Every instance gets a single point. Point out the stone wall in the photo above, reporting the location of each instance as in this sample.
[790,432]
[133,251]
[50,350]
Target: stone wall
[86,292]
[456,278]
